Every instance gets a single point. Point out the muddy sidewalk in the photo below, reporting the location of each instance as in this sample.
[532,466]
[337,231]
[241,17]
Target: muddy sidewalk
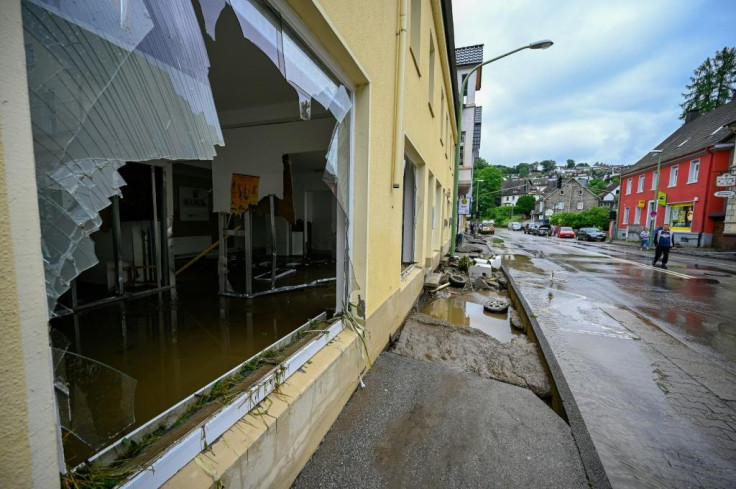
[419,424]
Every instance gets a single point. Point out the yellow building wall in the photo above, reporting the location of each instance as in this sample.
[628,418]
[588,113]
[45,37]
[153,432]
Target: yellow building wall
[28,447]
[368,30]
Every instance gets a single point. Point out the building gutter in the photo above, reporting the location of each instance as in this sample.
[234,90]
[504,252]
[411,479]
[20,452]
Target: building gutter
[398,155]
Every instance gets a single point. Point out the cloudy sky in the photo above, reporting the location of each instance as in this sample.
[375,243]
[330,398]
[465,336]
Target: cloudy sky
[608,90]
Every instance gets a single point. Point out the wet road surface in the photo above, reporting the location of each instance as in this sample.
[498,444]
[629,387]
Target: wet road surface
[649,354]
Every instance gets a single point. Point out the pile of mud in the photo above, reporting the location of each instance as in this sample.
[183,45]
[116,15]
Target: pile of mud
[468,350]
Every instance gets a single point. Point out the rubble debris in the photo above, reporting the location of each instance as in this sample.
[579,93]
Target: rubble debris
[470,350]
[480,284]
[432,281]
[498,305]
[457,280]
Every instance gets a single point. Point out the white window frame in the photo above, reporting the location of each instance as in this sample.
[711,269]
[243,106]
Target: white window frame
[640,184]
[694,165]
[629,182]
[637,215]
[625,219]
[674,174]
[654,179]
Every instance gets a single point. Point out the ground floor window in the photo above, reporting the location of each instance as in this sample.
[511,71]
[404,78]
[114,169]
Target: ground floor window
[408,226]
[681,216]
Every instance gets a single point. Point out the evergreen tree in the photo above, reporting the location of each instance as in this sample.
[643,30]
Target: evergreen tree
[713,83]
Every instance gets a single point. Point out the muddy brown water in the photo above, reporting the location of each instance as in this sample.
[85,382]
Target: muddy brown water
[466,310]
[173,347]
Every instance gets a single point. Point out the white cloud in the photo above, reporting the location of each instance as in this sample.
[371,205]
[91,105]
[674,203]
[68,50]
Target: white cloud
[608,90]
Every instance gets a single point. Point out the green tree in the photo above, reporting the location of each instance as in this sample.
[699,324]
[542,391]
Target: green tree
[479,164]
[525,204]
[713,83]
[595,217]
[571,163]
[582,165]
[523,169]
[488,191]
[597,185]
[548,165]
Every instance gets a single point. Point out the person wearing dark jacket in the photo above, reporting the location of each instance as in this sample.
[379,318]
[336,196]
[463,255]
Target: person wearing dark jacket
[664,239]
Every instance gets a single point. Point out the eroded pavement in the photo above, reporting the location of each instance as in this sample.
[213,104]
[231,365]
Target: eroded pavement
[648,354]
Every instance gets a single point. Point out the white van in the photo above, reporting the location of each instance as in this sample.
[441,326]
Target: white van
[515,226]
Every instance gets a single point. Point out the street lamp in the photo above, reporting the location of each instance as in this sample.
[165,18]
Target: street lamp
[544,44]
[653,220]
[476,197]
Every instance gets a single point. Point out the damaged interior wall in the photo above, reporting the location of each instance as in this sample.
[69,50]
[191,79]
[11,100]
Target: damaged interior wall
[108,85]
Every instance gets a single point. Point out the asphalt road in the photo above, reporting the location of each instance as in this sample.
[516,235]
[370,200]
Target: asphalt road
[649,354]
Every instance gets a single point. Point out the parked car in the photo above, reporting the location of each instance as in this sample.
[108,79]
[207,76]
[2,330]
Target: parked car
[487,227]
[591,234]
[515,226]
[566,232]
[543,230]
[529,228]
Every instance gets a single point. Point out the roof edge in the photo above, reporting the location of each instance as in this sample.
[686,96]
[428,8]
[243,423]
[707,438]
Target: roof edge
[450,42]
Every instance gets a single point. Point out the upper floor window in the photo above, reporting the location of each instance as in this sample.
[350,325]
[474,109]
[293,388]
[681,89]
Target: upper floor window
[640,184]
[431,73]
[655,177]
[580,192]
[416,26]
[628,186]
[692,176]
[462,148]
[673,176]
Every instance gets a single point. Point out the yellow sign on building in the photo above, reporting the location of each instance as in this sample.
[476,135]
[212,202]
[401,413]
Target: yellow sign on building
[243,192]
[641,203]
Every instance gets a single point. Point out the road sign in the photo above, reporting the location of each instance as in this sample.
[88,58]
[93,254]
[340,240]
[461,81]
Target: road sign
[725,180]
[653,214]
[548,212]
[725,193]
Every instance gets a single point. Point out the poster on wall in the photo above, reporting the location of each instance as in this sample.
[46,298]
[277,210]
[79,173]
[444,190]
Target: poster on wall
[681,216]
[194,204]
[243,192]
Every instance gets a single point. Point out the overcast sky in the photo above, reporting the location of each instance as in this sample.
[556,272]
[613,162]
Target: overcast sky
[610,87]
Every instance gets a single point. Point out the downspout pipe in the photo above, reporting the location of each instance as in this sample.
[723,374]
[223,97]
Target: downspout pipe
[397,174]
[459,116]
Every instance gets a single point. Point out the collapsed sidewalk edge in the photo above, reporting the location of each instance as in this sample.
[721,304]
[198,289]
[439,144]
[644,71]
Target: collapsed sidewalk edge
[588,454]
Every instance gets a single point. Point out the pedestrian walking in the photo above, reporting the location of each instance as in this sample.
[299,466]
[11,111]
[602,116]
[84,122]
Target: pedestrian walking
[664,239]
[644,239]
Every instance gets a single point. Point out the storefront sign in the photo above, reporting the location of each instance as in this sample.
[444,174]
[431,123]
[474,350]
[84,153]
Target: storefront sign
[642,203]
[243,192]
[726,181]
[194,204]
[662,198]
[463,207]
[725,193]
[681,216]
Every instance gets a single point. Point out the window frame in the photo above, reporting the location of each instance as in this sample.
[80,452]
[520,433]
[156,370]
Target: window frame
[415,32]
[629,183]
[640,184]
[674,175]
[625,218]
[430,74]
[693,164]
[655,176]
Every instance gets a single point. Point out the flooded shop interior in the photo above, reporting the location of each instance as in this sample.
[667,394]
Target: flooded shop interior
[193,177]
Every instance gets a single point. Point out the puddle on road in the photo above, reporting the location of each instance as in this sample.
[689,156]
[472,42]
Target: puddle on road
[460,311]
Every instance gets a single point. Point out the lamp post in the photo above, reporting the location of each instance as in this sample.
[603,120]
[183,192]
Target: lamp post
[476,198]
[653,221]
[459,115]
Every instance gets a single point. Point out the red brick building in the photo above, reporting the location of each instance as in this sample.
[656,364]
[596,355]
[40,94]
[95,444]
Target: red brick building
[692,157]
